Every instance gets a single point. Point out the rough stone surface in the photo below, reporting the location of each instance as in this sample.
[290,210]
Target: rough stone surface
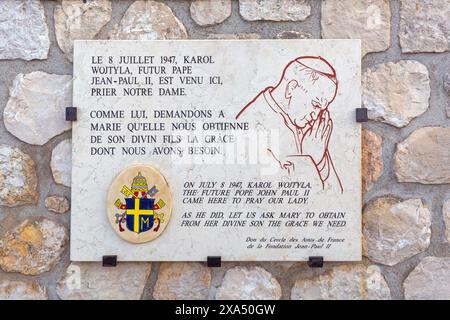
[446,213]
[234,36]
[396,93]
[447,83]
[437,64]
[57,204]
[36,108]
[148,20]
[182,281]
[367,20]
[210,12]
[61,163]
[447,89]
[430,280]
[23,30]
[276,10]
[254,283]
[18,179]
[22,290]
[347,282]
[33,247]
[292,34]
[424,25]
[371,161]
[424,156]
[448,107]
[78,20]
[91,281]
[395,230]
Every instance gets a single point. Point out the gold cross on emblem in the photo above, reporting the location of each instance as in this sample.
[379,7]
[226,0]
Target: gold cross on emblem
[137,213]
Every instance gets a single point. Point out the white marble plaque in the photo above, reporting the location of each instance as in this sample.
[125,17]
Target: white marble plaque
[254,144]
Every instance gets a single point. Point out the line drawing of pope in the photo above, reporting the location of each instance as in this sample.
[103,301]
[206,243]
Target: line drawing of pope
[301,101]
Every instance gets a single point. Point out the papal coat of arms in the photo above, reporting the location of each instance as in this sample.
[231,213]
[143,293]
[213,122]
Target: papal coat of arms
[142,205]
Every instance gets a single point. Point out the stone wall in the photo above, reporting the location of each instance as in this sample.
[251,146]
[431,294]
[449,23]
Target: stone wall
[406,147]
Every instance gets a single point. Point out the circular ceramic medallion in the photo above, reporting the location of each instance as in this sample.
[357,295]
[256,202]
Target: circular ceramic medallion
[139,204]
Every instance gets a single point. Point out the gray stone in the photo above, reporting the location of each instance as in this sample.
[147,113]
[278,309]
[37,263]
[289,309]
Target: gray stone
[424,25]
[234,36]
[446,213]
[78,20]
[430,280]
[447,83]
[18,179]
[91,281]
[23,30]
[33,247]
[447,89]
[254,283]
[424,156]
[210,12]
[35,111]
[148,20]
[395,230]
[61,163]
[22,290]
[182,281]
[368,20]
[57,204]
[345,282]
[396,93]
[276,10]
[448,107]
[292,34]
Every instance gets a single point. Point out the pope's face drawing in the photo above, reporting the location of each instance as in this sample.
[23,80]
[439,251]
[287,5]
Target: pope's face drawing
[308,99]
[302,98]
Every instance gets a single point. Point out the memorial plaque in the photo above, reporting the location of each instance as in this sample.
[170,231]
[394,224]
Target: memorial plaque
[247,150]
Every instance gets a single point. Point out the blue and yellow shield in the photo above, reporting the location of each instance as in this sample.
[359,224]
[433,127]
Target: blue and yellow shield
[139,214]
